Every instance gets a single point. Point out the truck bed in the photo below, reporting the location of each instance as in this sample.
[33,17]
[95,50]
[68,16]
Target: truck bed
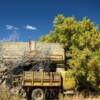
[48,79]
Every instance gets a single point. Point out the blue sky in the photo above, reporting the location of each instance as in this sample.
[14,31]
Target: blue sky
[33,18]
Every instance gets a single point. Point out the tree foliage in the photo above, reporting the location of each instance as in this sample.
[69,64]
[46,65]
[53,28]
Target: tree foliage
[83,47]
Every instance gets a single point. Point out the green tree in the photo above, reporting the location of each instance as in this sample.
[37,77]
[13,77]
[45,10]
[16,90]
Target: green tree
[83,47]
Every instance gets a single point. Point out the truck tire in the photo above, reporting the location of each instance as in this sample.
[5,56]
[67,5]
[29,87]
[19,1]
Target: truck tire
[38,94]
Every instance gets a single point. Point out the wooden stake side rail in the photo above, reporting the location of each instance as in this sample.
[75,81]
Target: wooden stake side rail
[31,78]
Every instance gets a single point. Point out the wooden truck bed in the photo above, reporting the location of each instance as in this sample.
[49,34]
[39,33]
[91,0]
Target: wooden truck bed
[31,78]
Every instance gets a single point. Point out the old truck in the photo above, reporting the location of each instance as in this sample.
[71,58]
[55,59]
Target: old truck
[44,76]
[47,86]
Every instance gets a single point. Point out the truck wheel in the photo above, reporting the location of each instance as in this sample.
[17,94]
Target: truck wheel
[38,94]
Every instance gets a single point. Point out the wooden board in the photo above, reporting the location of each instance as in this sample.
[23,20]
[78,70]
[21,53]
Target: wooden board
[31,78]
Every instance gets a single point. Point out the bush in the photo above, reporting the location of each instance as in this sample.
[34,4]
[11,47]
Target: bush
[82,39]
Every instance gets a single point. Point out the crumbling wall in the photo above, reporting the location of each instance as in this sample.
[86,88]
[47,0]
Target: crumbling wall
[16,52]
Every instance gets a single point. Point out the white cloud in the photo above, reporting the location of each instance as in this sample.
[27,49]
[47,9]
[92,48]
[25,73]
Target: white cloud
[29,27]
[10,27]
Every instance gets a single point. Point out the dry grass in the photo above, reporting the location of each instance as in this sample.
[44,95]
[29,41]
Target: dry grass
[80,97]
[4,95]
[76,97]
